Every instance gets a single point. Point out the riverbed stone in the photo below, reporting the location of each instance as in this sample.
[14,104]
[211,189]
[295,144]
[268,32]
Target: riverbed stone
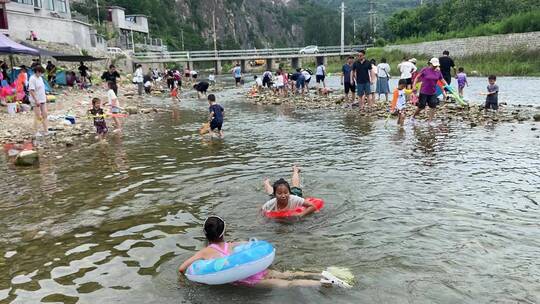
[27,158]
[536,117]
[131,110]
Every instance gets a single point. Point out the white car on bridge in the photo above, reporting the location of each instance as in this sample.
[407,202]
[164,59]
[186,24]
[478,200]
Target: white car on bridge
[310,49]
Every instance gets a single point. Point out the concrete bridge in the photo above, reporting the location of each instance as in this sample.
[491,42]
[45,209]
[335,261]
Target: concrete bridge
[243,56]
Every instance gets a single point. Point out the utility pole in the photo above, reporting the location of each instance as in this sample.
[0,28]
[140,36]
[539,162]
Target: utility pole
[183,49]
[215,37]
[97,9]
[354,31]
[342,27]
[372,14]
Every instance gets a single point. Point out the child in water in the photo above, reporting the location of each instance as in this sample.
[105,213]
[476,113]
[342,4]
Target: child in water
[115,106]
[285,197]
[492,95]
[399,101]
[214,230]
[216,115]
[99,119]
[461,80]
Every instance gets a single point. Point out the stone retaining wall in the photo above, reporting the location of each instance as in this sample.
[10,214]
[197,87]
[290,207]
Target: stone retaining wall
[461,47]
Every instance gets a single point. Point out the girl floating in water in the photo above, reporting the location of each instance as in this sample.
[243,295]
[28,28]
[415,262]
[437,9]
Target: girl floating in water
[214,230]
[286,198]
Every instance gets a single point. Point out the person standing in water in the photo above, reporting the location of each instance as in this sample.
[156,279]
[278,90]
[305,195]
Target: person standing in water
[237,74]
[346,82]
[447,65]
[383,76]
[429,76]
[320,74]
[216,116]
[361,74]
[407,68]
[138,78]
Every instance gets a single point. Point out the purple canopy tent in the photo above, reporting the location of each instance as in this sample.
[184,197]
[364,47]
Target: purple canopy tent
[8,46]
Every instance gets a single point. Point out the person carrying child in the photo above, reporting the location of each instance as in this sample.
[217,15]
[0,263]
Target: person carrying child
[492,95]
[99,119]
[461,80]
[399,101]
[214,231]
[285,197]
[216,116]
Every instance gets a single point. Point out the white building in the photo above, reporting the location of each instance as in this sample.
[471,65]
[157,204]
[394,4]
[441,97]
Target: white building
[133,31]
[50,20]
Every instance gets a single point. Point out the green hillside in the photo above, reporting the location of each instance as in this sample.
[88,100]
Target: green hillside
[465,18]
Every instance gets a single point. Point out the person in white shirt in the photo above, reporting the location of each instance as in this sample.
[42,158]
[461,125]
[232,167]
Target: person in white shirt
[138,78]
[38,99]
[212,79]
[407,68]
[383,76]
[193,74]
[307,76]
[115,107]
[280,84]
[320,74]
[258,83]
[286,197]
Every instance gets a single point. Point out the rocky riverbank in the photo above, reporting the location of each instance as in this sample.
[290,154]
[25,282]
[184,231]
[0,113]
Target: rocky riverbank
[473,114]
[19,128]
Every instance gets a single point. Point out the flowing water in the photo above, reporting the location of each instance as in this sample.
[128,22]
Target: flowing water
[430,214]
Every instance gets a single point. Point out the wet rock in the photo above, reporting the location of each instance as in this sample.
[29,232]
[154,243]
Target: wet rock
[131,110]
[473,124]
[27,158]
[536,117]
[146,111]
[534,129]
[68,142]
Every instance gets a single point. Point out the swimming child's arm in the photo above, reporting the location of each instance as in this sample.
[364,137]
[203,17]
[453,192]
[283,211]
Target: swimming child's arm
[310,208]
[197,256]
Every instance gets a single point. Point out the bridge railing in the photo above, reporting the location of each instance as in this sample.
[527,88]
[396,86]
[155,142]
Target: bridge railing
[254,53]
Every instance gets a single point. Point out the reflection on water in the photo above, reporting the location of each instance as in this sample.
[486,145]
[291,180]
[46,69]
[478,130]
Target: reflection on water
[424,214]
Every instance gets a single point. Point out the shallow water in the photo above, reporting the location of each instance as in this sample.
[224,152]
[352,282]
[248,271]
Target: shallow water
[431,214]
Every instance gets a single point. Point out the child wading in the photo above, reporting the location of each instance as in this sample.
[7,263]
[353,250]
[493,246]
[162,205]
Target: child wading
[399,101]
[286,198]
[461,80]
[492,95]
[214,230]
[115,106]
[216,116]
[99,119]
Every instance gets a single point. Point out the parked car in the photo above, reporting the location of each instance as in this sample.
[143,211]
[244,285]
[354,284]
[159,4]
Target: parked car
[310,49]
[115,51]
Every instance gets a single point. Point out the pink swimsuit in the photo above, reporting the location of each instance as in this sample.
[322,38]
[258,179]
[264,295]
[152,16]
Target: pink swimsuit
[249,281]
